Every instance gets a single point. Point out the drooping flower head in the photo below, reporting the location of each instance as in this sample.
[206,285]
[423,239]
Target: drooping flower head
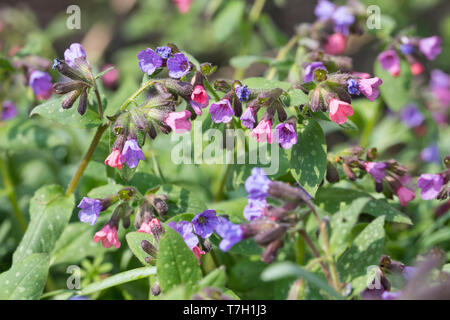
[131,153]
[369,87]
[178,65]
[377,170]
[390,62]
[254,209]
[9,110]
[108,237]
[430,185]
[286,135]
[405,195]
[431,154]
[114,159]
[149,61]
[90,210]
[179,121]
[230,233]
[343,19]
[248,118]
[243,93]
[311,68]
[335,44]
[75,55]
[411,116]
[257,185]
[339,111]
[430,47]
[199,99]
[263,131]
[41,83]
[221,111]
[204,223]
[352,87]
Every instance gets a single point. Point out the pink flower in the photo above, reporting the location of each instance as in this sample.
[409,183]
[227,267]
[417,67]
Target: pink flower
[335,44]
[389,61]
[405,195]
[108,236]
[361,75]
[199,99]
[339,111]
[198,252]
[377,170]
[369,87]
[147,226]
[114,159]
[183,5]
[416,68]
[263,132]
[110,78]
[430,47]
[179,122]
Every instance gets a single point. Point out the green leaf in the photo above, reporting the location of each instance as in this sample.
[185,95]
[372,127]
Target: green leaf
[289,269]
[309,156]
[134,243]
[176,263]
[296,98]
[243,62]
[216,278]
[354,264]
[5,65]
[395,90]
[264,84]
[228,19]
[50,212]
[331,199]
[26,279]
[233,208]
[181,200]
[52,110]
[118,279]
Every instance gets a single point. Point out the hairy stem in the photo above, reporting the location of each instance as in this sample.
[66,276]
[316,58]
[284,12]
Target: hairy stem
[87,157]
[11,194]
[316,254]
[100,105]
[137,93]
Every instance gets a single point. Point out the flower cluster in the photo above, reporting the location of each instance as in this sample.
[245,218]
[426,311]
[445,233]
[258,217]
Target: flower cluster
[176,62]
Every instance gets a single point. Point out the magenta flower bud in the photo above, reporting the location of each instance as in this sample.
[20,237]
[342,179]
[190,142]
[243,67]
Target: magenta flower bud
[221,111]
[369,87]
[131,153]
[110,78]
[183,5]
[114,159]
[430,185]
[339,111]
[263,131]
[41,83]
[149,61]
[335,44]
[405,195]
[390,62]
[430,47]
[377,170]
[285,135]
[178,65]
[179,121]
[9,110]
[108,237]
[199,99]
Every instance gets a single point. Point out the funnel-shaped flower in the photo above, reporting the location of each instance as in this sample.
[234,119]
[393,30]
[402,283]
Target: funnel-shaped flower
[108,237]
[339,111]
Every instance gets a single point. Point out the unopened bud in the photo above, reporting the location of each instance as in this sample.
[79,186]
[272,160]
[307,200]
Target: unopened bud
[70,99]
[149,248]
[271,251]
[82,105]
[265,237]
[68,86]
[332,173]
[156,289]
[348,172]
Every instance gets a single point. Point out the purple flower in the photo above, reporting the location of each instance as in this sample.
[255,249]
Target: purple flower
[248,118]
[90,210]
[324,9]
[440,86]
[184,229]
[178,65]
[407,48]
[74,55]
[411,116]
[221,111]
[230,233]
[391,295]
[409,272]
[149,61]
[257,185]
[431,154]
[377,170]
[430,47]
[41,83]
[352,87]
[430,185]
[286,135]
[205,223]
[369,87]
[132,153]
[342,19]
[389,61]
[9,110]
[243,93]
[254,209]
[310,68]
[164,52]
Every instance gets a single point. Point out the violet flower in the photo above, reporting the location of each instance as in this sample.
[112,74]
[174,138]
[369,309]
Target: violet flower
[242,92]
[343,19]
[254,209]
[204,223]
[221,111]
[230,233]
[430,185]
[90,210]
[74,55]
[390,62]
[286,135]
[431,154]
[178,65]
[184,229]
[41,83]
[311,68]
[131,153]
[149,61]
[369,87]
[430,47]
[411,116]
[9,110]
[377,170]
[324,10]
[248,118]
[257,185]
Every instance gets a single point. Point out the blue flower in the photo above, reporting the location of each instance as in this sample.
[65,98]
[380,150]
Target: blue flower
[411,116]
[74,55]
[149,61]
[352,87]
[257,185]
[132,153]
[205,223]
[178,65]
[230,233]
[324,9]
[243,93]
[163,52]
[90,210]
[184,229]
[342,19]
[254,209]
[431,154]
[407,48]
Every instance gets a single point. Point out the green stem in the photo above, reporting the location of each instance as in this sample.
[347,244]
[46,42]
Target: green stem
[332,266]
[100,105]
[87,157]
[157,168]
[282,54]
[223,182]
[10,192]
[137,93]
[211,89]
[316,254]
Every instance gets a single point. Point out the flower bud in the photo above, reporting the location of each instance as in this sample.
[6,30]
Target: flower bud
[237,107]
[316,101]
[222,85]
[348,172]
[159,202]
[332,175]
[271,251]
[120,126]
[82,105]
[156,289]
[265,237]
[181,88]
[282,115]
[70,99]
[70,72]
[68,86]
[149,248]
